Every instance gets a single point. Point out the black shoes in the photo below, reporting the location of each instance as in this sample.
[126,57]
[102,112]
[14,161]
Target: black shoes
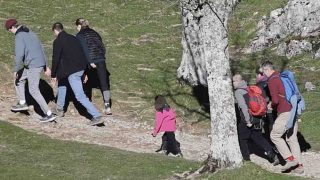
[273,158]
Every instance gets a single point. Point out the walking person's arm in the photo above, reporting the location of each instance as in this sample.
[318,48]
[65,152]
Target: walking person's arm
[158,123]
[47,70]
[56,57]
[243,107]
[274,91]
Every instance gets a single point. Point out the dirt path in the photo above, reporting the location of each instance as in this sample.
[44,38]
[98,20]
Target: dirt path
[128,134]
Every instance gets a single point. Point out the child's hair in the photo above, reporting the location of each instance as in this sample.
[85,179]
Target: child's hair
[160,103]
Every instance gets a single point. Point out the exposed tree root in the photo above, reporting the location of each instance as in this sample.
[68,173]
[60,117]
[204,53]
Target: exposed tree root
[210,165]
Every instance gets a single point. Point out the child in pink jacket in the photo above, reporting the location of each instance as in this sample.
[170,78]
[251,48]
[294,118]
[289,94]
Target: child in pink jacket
[165,121]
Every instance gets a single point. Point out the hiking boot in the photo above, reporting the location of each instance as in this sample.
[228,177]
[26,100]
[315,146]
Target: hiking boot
[298,170]
[47,118]
[107,109]
[59,112]
[276,161]
[96,121]
[289,165]
[272,158]
[20,107]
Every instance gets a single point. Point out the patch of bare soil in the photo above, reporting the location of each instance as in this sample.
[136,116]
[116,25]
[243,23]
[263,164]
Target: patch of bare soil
[129,134]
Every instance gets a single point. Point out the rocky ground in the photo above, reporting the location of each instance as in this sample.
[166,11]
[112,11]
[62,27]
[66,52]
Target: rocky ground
[129,134]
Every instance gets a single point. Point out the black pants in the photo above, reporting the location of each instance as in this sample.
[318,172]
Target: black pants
[97,78]
[245,134]
[268,123]
[170,144]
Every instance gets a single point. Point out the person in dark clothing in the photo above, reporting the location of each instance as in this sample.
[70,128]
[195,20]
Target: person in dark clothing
[246,129]
[68,61]
[95,52]
[268,120]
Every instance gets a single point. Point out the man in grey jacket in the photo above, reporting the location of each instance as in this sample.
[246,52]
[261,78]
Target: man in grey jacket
[30,60]
[246,129]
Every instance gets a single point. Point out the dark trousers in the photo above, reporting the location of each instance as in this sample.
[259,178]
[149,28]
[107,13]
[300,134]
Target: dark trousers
[170,144]
[245,134]
[97,78]
[268,123]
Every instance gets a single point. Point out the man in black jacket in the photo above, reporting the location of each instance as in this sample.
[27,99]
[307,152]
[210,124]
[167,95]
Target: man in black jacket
[69,61]
[95,51]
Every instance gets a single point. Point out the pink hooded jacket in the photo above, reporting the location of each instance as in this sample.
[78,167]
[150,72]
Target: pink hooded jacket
[165,121]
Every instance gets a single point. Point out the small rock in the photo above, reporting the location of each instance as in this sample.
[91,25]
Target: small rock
[317,54]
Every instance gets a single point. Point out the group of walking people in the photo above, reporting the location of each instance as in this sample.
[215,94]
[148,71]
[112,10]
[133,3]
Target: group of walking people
[281,135]
[75,60]
[79,62]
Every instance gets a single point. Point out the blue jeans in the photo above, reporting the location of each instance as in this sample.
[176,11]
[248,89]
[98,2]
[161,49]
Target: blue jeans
[62,92]
[76,86]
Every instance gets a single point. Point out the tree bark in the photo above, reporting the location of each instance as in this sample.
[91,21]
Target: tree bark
[205,60]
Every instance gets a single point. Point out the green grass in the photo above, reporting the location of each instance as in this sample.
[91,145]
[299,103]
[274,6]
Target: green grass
[26,155]
[310,120]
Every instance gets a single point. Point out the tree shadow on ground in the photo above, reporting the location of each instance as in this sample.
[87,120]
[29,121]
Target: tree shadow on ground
[200,92]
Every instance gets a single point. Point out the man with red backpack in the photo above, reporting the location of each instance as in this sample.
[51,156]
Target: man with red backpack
[250,109]
[278,101]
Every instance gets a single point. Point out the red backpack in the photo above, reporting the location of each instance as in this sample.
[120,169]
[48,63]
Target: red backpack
[257,104]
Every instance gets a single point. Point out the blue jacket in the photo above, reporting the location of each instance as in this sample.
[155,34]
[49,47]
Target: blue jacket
[28,49]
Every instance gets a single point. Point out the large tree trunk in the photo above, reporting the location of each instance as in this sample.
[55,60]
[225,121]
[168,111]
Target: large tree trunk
[205,61]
